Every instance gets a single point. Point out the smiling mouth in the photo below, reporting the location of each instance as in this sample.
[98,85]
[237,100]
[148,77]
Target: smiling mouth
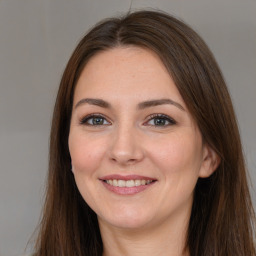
[128,183]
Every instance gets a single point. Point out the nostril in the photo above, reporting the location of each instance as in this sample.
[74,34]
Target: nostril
[125,150]
[124,160]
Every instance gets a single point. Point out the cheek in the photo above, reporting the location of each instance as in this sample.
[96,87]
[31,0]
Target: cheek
[178,154]
[86,153]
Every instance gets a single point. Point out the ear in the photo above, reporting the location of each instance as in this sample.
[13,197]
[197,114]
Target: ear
[210,162]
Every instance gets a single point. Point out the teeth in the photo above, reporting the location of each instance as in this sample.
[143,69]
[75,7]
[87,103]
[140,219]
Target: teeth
[121,183]
[137,183]
[128,183]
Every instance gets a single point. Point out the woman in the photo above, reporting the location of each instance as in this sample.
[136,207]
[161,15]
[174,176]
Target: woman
[145,153]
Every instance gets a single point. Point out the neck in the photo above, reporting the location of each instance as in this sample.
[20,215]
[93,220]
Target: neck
[164,240]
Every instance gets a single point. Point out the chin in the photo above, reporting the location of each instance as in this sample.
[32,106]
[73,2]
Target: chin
[129,224]
[128,220]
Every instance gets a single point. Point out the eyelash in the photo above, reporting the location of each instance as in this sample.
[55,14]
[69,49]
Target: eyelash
[84,120]
[162,117]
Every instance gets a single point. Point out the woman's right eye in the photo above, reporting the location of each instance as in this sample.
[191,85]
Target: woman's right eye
[94,120]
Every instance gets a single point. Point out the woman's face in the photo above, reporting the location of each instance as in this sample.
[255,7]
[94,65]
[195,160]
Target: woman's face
[136,151]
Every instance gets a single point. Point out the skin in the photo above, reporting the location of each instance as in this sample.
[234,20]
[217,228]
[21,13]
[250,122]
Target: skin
[128,140]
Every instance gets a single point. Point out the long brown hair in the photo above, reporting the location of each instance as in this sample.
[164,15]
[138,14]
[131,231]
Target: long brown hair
[222,218]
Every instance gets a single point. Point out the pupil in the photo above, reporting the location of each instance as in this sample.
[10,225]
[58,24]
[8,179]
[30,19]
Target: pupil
[159,121]
[97,120]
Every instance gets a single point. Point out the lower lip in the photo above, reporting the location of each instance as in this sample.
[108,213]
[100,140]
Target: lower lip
[127,190]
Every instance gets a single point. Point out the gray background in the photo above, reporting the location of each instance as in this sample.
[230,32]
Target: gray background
[36,40]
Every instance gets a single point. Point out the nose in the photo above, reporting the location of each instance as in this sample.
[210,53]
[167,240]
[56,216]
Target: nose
[126,146]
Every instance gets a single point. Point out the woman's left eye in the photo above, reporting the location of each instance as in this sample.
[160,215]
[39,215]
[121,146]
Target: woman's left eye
[160,120]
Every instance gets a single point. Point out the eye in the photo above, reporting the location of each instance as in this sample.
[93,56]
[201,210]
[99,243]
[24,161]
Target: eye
[95,120]
[160,120]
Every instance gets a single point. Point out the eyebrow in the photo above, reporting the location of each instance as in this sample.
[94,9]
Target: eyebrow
[97,102]
[152,103]
[142,105]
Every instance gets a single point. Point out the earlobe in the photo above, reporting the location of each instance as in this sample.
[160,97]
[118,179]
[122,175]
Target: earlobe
[210,162]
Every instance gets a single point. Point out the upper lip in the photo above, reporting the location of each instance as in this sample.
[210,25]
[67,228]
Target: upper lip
[125,177]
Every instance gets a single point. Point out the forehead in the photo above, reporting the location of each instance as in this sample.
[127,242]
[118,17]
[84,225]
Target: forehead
[123,70]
